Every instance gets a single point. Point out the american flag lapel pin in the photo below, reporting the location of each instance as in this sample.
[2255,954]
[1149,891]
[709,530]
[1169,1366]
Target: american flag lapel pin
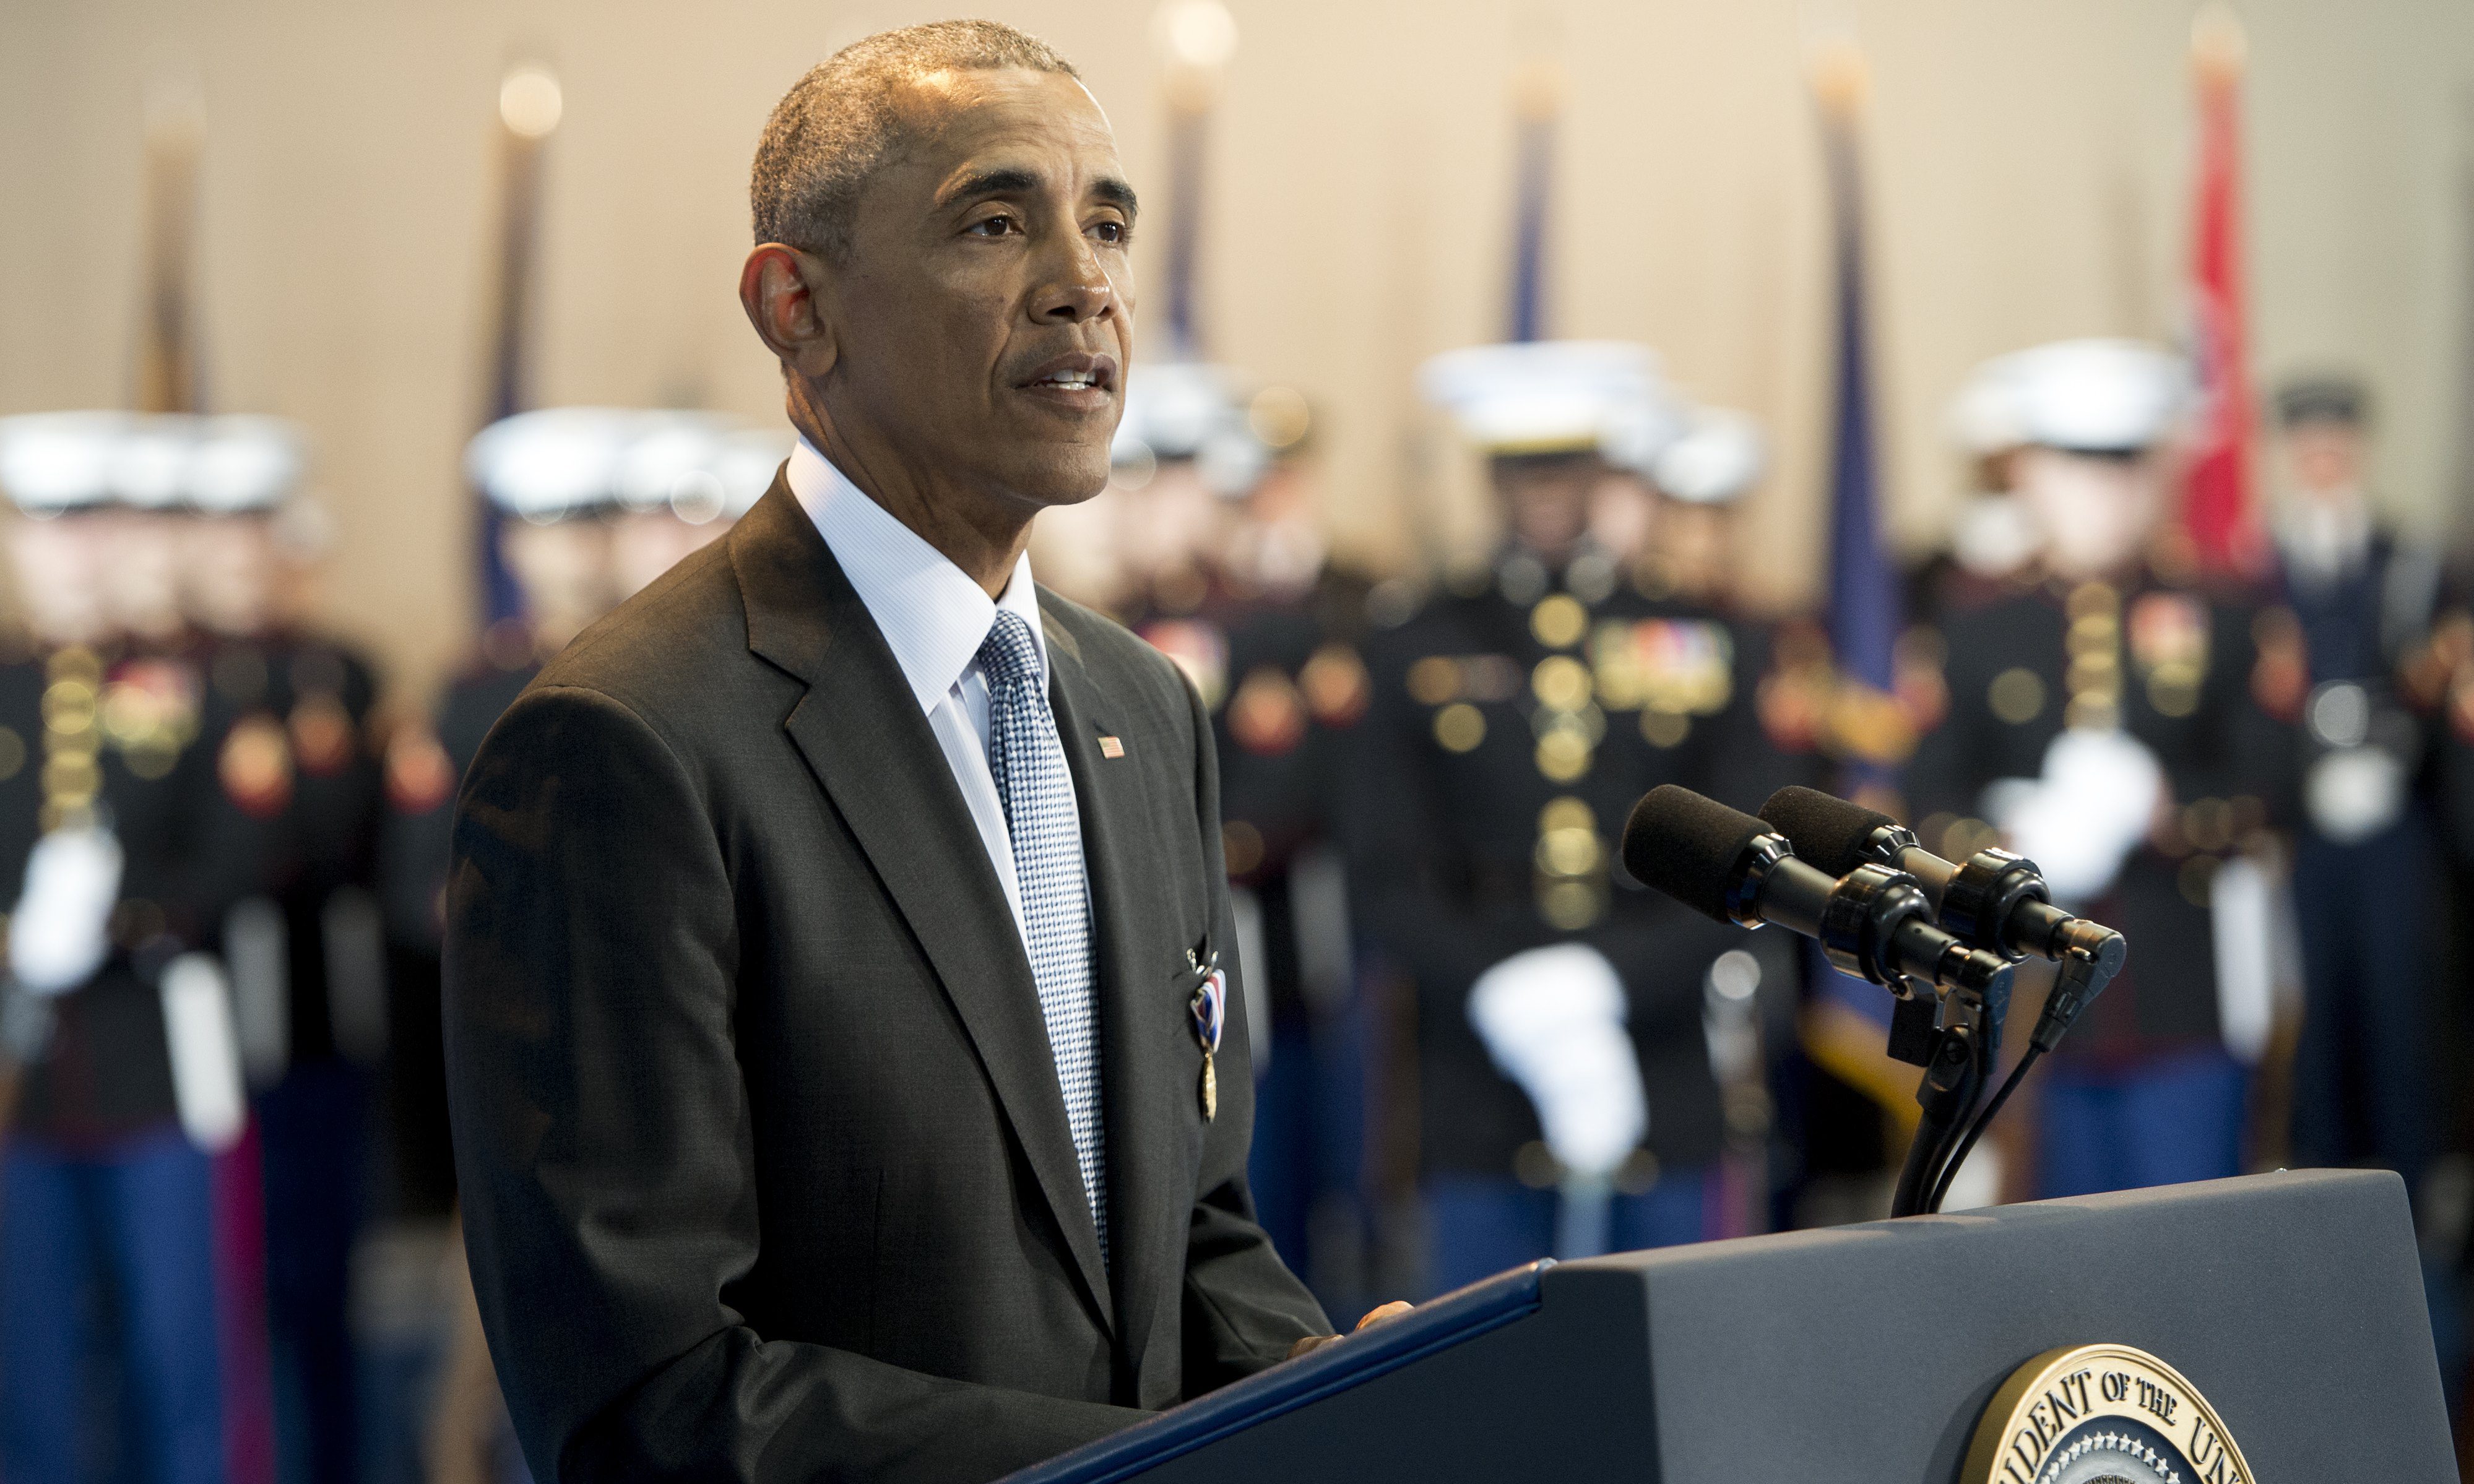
[1112,747]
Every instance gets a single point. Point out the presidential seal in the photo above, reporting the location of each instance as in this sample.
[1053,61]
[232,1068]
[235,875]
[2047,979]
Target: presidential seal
[2102,1414]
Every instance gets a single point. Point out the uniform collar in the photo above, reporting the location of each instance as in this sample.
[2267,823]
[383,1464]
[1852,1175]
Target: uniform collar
[933,615]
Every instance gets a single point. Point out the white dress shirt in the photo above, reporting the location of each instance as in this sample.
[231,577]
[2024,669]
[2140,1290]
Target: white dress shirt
[934,618]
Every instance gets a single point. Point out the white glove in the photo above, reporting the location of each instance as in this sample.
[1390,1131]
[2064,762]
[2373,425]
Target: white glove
[206,1052]
[2083,815]
[60,933]
[2242,907]
[1553,1020]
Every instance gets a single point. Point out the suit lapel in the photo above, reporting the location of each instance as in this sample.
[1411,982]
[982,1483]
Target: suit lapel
[868,744]
[1150,1127]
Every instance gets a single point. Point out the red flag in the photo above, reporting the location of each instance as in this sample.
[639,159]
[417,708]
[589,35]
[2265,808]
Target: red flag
[2217,511]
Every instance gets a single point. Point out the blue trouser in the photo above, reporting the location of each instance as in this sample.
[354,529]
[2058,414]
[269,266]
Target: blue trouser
[2161,1122]
[1477,1227]
[2361,1072]
[136,1217]
[312,1151]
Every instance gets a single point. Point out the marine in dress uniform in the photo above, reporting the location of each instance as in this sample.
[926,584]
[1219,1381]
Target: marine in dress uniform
[123,1031]
[2363,600]
[2104,719]
[1237,586]
[556,474]
[1566,1100]
[1765,735]
[601,503]
[291,842]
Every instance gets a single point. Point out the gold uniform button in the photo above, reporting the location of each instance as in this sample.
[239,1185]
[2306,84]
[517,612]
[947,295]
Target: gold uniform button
[1460,727]
[1665,728]
[1560,682]
[1569,905]
[1570,852]
[1559,621]
[1566,812]
[2017,695]
[2090,598]
[1564,754]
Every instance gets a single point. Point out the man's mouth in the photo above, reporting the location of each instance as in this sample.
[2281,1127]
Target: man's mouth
[1077,380]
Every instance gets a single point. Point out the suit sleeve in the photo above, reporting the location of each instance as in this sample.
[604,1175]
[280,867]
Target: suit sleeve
[602,1139]
[1244,1309]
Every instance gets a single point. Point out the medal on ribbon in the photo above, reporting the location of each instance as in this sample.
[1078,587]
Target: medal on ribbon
[1209,1009]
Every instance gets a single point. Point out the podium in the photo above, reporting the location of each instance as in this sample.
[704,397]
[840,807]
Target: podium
[1862,1354]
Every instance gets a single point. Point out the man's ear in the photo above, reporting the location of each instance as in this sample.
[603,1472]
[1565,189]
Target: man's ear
[782,289]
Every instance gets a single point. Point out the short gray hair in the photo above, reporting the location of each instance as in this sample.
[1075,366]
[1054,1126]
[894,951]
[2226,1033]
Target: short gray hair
[832,129]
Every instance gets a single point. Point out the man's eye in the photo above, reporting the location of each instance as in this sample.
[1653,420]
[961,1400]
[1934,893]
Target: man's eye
[993,227]
[1114,233]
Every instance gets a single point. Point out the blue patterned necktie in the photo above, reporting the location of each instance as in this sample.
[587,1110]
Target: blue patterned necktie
[1028,764]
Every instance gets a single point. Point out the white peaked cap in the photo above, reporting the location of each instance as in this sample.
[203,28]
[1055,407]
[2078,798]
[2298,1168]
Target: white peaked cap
[1552,396]
[1635,435]
[56,461]
[1191,409]
[555,462]
[668,460]
[153,459]
[1988,415]
[1718,458]
[2080,396]
[746,463]
[245,464]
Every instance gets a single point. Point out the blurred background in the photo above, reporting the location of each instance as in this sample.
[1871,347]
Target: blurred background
[1752,489]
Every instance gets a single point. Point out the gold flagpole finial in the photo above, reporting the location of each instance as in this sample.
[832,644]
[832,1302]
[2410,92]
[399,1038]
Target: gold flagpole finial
[1196,40]
[1841,79]
[530,103]
[2220,46]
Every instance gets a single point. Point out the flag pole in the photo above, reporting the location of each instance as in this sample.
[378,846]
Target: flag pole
[530,106]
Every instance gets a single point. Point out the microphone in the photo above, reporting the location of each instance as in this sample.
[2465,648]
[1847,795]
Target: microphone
[1873,921]
[1993,900]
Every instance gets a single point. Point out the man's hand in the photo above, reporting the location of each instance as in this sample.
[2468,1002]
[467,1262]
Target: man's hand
[1315,1342]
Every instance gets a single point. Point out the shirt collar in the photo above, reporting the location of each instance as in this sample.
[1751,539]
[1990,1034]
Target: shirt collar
[933,615]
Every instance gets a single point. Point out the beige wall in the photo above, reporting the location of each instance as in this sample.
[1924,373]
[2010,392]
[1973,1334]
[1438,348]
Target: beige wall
[2028,164]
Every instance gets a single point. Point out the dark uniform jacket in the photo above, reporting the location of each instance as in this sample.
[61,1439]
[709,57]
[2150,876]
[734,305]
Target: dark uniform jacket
[2182,664]
[2369,625]
[101,1071]
[1509,736]
[1297,690]
[422,767]
[765,1166]
[296,827]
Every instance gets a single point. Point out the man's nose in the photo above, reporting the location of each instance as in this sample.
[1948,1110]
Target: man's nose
[1077,288]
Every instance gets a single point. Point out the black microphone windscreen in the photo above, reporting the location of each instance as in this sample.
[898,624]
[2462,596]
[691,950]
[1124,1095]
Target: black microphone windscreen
[1687,847]
[1827,833]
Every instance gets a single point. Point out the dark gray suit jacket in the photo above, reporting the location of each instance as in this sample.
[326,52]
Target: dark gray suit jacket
[765,1163]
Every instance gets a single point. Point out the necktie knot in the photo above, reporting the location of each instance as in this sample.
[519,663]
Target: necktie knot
[1008,655]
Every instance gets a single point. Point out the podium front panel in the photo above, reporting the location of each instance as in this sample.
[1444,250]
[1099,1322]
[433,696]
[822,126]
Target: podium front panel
[1867,1354]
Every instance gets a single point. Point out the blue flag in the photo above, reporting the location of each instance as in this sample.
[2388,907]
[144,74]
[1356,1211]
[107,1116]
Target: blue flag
[1863,584]
[1534,174]
[1849,1024]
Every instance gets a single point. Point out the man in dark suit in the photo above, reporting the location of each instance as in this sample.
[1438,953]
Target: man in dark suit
[837,934]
